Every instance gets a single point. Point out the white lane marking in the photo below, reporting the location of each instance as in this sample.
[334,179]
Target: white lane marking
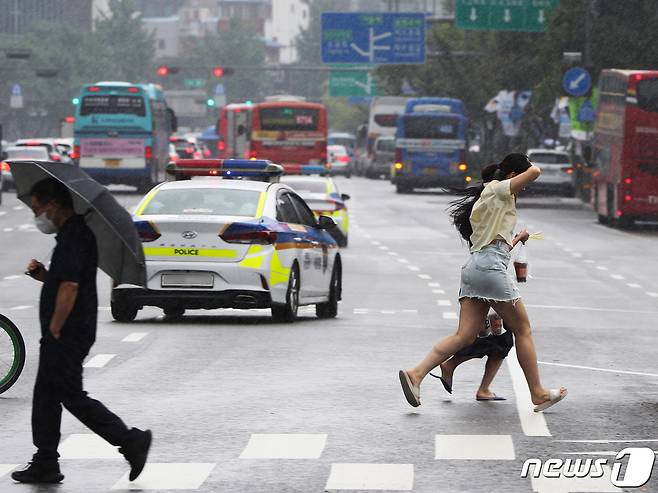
[568,249]
[9,278]
[606,370]
[99,361]
[450,316]
[532,423]
[409,311]
[617,277]
[21,307]
[2,213]
[654,295]
[605,441]
[383,248]
[135,337]
[438,291]
[87,446]
[443,302]
[168,476]
[413,267]
[633,285]
[474,447]
[601,267]
[575,485]
[393,254]
[398,477]
[424,276]
[360,311]
[375,242]
[5,468]
[388,312]
[23,227]
[104,308]
[560,244]
[18,208]
[403,261]
[587,308]
[588,261]
[8,230]
[284,446]
[434,284]
[576,254]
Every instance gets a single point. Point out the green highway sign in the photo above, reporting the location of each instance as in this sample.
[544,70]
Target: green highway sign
[504,15]
[345,83]
[194,83]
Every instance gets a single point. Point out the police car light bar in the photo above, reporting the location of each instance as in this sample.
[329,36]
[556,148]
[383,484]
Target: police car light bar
[255,169]
[313,169]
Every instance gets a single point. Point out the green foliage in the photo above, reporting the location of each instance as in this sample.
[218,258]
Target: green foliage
[237,45]
[344,117]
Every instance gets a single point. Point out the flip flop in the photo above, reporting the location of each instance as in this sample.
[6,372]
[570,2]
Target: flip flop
[494,398]
[555,396]
[411,392]
[445,383]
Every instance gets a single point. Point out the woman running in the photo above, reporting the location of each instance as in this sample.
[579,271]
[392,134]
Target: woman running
[485,218]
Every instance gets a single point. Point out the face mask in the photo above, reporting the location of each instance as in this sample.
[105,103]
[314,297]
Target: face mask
[44,224]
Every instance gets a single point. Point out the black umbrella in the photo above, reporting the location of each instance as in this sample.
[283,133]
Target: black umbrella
[120,253]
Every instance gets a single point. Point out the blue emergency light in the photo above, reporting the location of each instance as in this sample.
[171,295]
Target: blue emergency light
[253,169]
[313,169]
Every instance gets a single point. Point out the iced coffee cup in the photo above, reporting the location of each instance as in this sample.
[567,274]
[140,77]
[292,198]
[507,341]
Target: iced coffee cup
[521,269]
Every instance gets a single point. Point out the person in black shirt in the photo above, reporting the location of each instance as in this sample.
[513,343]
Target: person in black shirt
[67,312]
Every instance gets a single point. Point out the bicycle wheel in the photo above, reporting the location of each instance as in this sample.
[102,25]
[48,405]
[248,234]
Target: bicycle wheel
[12,353]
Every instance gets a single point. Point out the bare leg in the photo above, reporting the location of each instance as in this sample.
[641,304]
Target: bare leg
[449,367]
[490,370]
[471,319]
[516,318]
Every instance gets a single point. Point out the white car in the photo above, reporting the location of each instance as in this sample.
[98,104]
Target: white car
[20,153]
[339,161]
[231,243]
[556,171]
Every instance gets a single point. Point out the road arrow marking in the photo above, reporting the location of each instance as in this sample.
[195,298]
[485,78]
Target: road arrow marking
[508,16]
[474,15]
[541,19]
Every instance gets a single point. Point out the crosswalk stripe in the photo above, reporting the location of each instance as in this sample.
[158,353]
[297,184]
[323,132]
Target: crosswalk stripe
[532,423]
[398,477]
[99,361]
[285,446]
[134,337]
[87,446]
[450,316]
[168,476]
[474,447]
[5,468]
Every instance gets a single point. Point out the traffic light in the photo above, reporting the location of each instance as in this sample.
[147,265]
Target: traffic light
[75,101]
[210,102]
[166,70]
[220,71]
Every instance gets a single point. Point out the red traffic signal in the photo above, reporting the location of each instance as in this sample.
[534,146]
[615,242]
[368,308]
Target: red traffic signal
[163,71]
[218,71]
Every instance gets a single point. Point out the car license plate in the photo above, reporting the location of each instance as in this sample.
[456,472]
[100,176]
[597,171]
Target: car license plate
[430,171]
[112,163]
[187,280]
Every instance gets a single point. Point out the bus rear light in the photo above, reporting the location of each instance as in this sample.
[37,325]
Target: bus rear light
[207,153]
[627,198]
[221,145]
[259,237]
[252,155]
[628,181]
[468,179]
[133,89]
[147,231]
[618,213]
[462,167]
[76,152]
[398,165]
[189,150]
[94,89]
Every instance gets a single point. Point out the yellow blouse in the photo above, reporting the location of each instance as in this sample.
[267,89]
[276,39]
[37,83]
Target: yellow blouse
[493,215]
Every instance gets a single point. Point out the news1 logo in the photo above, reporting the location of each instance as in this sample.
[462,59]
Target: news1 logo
[638,468]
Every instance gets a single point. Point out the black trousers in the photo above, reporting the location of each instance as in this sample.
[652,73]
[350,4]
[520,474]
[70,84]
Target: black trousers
[59,383]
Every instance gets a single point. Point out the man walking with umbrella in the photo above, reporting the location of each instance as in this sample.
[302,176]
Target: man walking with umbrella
[68,313]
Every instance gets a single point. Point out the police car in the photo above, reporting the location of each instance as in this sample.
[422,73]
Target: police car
[232,241]
[322,196]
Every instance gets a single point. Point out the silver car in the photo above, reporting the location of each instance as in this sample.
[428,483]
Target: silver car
[556,171]
[20,153]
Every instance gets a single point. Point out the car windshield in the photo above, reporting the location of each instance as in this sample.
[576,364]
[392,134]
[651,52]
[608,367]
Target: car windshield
[37,153]
[549,158]
[307,186]
[204,201]
[348,142]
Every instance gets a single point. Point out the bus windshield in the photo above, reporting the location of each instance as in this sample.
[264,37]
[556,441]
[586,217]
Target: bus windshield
[430,127]
[647,95]
[289,118]
[110,104]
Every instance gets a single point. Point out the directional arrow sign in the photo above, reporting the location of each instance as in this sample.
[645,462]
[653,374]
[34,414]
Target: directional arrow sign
[577,81]
[351,83]
[373,38]
[504,15]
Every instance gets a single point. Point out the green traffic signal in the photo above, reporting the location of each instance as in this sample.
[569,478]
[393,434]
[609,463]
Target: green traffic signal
[75,101]
[210,102]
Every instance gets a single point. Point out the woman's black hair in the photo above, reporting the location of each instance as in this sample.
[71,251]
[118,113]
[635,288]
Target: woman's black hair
[460,209]
[51,189]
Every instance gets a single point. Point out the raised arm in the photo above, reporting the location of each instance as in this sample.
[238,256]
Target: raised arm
[519,182]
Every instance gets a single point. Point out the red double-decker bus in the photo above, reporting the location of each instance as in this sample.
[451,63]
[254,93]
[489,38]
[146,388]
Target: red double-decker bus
[625,147]
[290,132]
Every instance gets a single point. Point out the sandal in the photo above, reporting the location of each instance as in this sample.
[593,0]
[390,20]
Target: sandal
[411,392]
[554,396]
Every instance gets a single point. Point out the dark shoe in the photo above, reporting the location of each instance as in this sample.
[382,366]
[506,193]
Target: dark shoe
[37,472]
[136,451]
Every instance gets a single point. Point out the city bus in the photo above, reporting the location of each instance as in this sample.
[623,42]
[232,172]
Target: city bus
[430,145]
[121,133]
[625,147]
[234,129]
[382,122]
[289,131]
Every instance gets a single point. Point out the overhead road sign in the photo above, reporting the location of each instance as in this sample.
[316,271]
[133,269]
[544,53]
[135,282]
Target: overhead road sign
[504,15]
[577,81]
[382,38]
[356,83]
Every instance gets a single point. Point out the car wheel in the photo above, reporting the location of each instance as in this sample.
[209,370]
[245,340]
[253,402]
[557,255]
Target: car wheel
[330,308]
[288,312]
[399,188]
[123,311]
[174,312]
[602,219]
[343,242]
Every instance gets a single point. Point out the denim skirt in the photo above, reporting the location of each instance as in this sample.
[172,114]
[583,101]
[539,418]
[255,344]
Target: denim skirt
[486,275]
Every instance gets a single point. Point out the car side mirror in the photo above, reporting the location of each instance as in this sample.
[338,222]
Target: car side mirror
[344,196]
[326,222]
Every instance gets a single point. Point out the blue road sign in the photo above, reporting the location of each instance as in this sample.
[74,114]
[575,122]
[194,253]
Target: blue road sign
[16,90]
[219,90]
[577,81]
[373,38]
[586,113]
